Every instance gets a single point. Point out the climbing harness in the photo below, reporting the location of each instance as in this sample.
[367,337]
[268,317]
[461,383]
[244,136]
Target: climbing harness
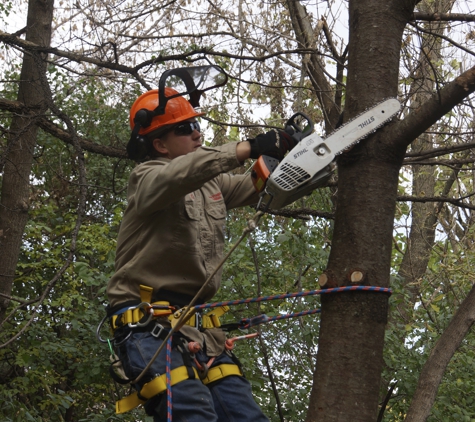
[206,372]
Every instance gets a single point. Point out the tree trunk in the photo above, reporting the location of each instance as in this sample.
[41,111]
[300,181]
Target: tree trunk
[423,215]
[19,154]
[350,352]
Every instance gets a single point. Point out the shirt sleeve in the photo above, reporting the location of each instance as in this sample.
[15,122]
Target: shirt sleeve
[237,190]
[156,184]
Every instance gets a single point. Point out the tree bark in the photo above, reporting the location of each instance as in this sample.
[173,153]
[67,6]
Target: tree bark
[435,366]
[18,159]
[349,360]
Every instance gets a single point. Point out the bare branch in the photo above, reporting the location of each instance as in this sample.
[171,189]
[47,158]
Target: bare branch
[437,152]
[439,358]
[449,40]
[14,41]
[450,17]
[457,202]
[441,102]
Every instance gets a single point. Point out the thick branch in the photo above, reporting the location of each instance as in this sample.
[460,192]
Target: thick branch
[441,102]
[305,36]
[450,17]
[53,129]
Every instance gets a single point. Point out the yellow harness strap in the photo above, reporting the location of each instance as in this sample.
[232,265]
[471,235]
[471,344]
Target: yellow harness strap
[157,386]
[222,371]
[134,315]
[146,293]
[211,319]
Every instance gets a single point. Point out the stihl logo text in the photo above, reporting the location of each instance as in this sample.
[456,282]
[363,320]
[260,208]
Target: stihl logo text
[299,153]
[366,122]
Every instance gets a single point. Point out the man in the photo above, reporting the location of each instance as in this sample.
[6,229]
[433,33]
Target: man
[170,241]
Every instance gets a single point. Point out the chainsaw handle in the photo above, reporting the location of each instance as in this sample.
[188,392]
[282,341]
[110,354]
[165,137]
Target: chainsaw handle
[299,126]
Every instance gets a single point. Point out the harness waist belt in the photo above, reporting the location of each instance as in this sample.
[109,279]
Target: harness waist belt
[141,315]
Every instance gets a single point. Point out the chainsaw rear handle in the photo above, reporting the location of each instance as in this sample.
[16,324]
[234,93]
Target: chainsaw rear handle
[299,126]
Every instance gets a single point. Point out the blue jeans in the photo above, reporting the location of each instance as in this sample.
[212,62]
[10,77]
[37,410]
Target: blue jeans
[227,400]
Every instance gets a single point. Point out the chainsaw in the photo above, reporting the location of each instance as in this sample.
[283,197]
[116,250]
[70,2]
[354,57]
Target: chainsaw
[312,161]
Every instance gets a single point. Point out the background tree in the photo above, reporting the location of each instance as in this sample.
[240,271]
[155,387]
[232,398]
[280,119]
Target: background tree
[282,57]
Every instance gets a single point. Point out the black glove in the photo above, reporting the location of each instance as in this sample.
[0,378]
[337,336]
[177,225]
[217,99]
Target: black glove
[272,143]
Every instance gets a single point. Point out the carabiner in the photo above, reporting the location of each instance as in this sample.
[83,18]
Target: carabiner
[98,334]
[149,309]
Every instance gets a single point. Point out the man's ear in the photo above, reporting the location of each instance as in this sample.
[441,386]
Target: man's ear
[160,146]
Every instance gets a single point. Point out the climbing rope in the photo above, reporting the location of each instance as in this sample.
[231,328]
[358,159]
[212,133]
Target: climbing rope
[292,295]
[169,379]
[247,323]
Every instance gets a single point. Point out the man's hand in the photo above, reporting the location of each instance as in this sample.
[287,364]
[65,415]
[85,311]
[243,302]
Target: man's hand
[275,143]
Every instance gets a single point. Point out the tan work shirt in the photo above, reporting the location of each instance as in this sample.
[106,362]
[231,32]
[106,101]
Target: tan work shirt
[172,233]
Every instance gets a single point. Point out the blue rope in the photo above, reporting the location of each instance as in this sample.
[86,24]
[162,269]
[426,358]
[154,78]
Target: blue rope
[246,323]
[292,295]
[169,380]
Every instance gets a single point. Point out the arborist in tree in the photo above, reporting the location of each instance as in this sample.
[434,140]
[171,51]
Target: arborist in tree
[170,241]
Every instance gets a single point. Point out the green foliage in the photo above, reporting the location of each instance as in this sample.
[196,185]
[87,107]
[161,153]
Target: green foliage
[57,370]
[289,255]
[447,281]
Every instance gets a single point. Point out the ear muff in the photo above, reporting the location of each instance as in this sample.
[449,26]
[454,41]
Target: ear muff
[144,117]
[138,148]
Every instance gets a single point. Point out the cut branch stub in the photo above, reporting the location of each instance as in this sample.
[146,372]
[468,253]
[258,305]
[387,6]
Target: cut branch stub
[327,280]
[356,276]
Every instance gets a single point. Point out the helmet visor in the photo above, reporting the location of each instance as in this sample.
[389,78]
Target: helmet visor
[192,81]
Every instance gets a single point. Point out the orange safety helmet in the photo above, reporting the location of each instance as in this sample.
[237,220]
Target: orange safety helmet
[177,110]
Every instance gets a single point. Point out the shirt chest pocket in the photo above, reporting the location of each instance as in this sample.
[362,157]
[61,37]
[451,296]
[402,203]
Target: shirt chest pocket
[217,211]
[213,241]
[186,233]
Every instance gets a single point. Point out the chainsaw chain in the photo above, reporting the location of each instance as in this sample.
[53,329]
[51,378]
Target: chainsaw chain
[366,134]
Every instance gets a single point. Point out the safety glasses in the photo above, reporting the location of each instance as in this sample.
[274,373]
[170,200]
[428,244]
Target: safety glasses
[186,128]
